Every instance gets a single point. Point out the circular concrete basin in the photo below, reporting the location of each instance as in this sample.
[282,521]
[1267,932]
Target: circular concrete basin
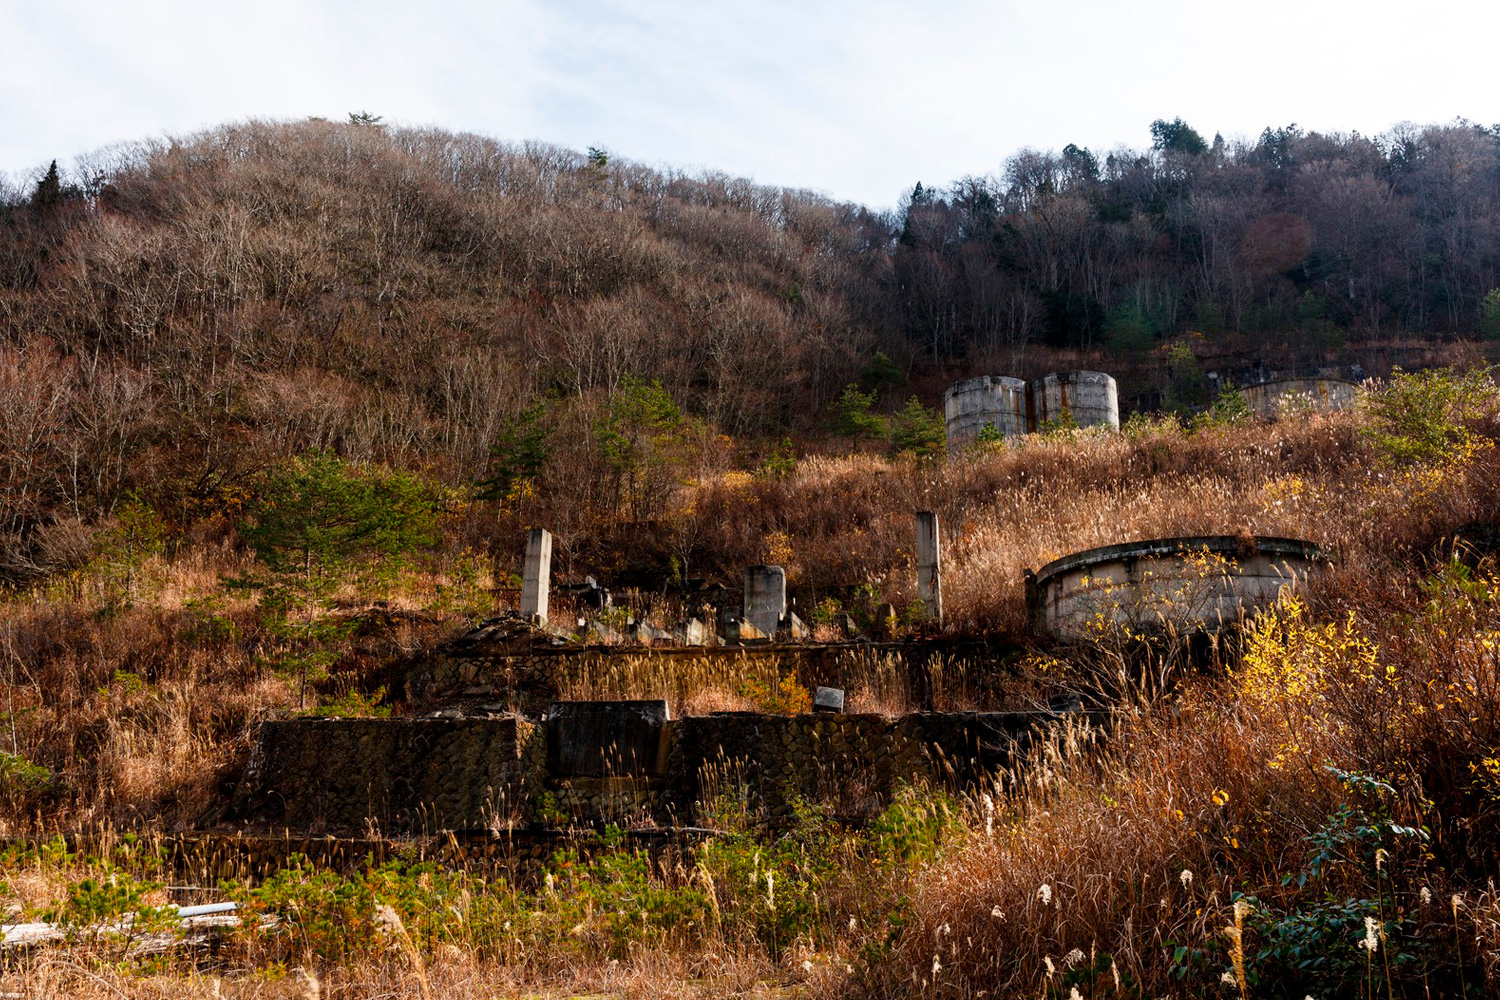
[1192,582]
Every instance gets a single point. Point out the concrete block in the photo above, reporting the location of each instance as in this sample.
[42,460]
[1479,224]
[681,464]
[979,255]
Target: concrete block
[600,632]
[826,699]
[647,634]
[536,580]
[691,633]
[743,631]
[929,564]
[765,597]
[607,738]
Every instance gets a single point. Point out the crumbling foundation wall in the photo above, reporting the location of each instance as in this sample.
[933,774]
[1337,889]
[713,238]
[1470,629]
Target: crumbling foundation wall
[490,774]
[526,680]
[389,774]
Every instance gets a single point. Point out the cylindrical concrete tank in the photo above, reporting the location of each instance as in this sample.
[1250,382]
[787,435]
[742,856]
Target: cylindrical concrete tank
[1193,582]
[993,400]
[1323,395]
[1091,397]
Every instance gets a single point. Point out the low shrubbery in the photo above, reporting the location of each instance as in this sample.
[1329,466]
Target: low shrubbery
[797,898]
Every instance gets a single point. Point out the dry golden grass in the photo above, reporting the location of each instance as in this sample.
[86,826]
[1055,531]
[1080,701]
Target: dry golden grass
[1112,846]
[665,975]
[849,519]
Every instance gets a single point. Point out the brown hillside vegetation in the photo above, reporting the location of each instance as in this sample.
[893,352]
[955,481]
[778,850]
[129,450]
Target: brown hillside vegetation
[277,400]
[1338,783]
[263,290]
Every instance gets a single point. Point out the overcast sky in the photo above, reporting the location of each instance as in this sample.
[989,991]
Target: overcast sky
[858,100]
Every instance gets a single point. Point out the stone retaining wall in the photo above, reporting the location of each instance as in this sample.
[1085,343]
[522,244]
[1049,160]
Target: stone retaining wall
[396,774]
[850,763]
[492,774]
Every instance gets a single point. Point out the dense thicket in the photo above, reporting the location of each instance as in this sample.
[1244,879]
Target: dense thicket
[173,314]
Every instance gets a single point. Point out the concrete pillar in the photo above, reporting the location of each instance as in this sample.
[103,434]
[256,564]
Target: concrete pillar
[765,597]
[929,564]
[536,581]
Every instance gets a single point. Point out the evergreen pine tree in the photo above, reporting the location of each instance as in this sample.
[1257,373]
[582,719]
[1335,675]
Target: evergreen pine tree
[49,191]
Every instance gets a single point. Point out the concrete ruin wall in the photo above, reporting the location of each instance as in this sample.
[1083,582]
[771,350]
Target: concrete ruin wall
[989,400]
[850,763]
[1013,407]
[528,679]
[1197,582]
[1322,395]
[420,774]
[424,775]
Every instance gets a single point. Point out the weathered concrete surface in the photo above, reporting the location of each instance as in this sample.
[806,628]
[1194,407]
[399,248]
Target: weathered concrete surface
[607,738]
[849,763]
[1090,398]
[989,400]
[765,597]
[597,766]
[1196,582]
[526,678]
[740,630]
[1321,395]
[1013,407]
[929,564]
[536,580]
[314,774]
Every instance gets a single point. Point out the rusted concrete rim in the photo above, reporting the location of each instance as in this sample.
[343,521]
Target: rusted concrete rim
[1284,381]
[1270,545]
[982,382]
[1073,375]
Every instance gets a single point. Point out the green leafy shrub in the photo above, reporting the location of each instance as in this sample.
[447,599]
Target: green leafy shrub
[1339,944]
[1489,314]
[781,461]
[776,887]
[851,416]
[615,897]
[122,550]
[1059,426]
[1229,407]
[112,906]
[1424,418]
[912,828]
[989,438]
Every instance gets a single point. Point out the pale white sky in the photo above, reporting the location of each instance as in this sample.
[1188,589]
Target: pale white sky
[858,100]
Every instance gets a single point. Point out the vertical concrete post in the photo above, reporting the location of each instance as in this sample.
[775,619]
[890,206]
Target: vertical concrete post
[929,564]
[765,597]
[536,581]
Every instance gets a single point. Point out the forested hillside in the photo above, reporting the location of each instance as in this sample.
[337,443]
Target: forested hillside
[176,315]
[1295,235]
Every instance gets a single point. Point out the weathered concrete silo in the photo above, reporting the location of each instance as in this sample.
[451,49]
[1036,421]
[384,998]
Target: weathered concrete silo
[1091,397]
[993,400]
[1321,395]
